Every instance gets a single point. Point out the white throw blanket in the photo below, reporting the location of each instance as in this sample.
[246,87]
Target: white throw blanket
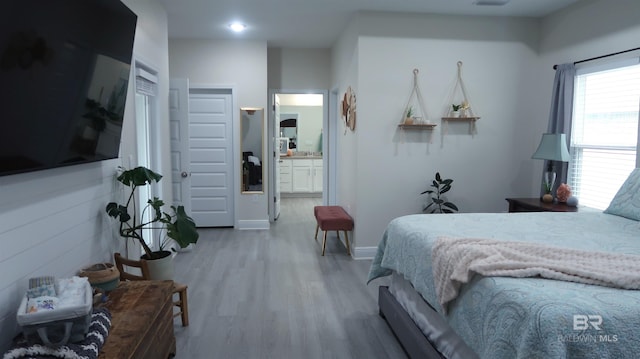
[455,261]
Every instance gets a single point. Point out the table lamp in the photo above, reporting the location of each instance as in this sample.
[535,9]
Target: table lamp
[553,147]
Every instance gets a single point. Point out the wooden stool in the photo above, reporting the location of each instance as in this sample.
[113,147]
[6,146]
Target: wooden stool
[333,218]
[181,303]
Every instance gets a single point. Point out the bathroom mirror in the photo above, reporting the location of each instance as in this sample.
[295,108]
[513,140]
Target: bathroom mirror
[289,129]
[251,134]
[301,120]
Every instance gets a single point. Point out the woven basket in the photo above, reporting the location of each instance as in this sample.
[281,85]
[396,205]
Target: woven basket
[102,275]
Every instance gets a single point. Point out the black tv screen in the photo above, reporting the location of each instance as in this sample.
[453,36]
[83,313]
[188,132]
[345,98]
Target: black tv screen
[64,73]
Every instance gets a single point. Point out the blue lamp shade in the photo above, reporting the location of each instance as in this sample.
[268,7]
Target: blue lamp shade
[553,147]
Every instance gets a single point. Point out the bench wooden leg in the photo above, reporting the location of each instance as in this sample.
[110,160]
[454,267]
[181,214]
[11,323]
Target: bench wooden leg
[346,240]
[324,242]
[316,236]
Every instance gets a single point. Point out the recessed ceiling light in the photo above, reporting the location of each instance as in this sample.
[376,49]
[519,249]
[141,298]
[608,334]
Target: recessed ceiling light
[237,27]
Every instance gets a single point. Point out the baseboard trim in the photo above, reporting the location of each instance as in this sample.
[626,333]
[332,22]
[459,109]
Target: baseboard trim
[364,252]
[253,224]
[301,194]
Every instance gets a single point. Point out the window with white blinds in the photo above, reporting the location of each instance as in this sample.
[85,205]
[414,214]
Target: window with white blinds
[146,82]
[604,132]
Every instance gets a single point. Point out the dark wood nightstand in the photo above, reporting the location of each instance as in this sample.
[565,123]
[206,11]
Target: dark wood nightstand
[536,205]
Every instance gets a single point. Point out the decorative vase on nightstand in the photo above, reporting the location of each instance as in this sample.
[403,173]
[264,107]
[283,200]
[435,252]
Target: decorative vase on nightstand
[563,193]
[572,201]
[549,180]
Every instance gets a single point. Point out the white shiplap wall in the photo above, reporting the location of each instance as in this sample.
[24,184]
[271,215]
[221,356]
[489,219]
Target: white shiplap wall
[51,223]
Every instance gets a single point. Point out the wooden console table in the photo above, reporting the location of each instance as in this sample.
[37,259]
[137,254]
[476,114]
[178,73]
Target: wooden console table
[141,321]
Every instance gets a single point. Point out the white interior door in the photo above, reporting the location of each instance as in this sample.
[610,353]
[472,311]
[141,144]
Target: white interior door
[211,157]
[201,153]
[179,124]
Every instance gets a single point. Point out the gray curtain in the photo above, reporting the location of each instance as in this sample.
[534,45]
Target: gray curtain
[560,114]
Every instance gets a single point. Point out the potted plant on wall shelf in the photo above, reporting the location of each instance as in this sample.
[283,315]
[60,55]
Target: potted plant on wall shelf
[438,202]
[177,225]
[455,110]
[408,119]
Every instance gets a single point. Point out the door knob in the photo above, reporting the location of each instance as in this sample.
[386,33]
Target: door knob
[184,174]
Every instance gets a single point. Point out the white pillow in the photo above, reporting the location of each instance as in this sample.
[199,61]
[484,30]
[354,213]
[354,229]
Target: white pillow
[626,203]
[254,160]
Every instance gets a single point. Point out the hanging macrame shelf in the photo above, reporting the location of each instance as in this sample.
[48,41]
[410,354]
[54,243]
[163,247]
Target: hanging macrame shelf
[461,118]
[415,123]
[467,114]
[419,126]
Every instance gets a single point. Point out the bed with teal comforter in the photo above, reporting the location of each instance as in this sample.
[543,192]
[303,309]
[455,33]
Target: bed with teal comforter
[503,317]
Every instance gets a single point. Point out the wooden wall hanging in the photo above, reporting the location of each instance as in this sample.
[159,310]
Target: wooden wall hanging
[349,109]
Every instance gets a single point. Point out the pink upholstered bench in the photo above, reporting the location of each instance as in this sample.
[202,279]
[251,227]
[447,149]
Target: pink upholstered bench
[333,218]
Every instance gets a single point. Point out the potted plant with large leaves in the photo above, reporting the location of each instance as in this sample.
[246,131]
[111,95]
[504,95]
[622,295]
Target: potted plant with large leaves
[438,202]
[177,225]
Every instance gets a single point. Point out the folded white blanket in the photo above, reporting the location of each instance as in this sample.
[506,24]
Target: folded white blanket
[455,261]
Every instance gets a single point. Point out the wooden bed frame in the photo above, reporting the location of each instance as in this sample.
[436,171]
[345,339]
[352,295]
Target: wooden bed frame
[413,341]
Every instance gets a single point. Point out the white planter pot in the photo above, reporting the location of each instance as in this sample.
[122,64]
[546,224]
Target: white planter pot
[455,113]
[161,269]
[188,248]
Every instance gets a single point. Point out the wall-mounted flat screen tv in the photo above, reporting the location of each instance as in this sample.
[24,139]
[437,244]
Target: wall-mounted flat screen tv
[64,73]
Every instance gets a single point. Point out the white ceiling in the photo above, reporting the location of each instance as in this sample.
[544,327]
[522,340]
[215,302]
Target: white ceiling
[317,23]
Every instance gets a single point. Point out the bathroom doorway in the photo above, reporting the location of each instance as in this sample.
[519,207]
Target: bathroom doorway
[298,123]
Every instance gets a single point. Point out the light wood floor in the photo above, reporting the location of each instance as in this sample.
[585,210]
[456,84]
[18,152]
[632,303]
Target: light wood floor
[270,294]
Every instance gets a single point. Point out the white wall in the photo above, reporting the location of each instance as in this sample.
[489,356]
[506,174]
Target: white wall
[243,66]
[299,69]
[344,74]
[52,222]
[568,36]
[481,165]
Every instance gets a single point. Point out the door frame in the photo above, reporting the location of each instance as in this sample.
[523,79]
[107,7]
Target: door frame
[328,144]
[331,143]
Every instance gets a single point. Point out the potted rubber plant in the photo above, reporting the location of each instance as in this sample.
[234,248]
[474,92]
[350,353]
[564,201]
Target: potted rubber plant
[438,203]
[176,224]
